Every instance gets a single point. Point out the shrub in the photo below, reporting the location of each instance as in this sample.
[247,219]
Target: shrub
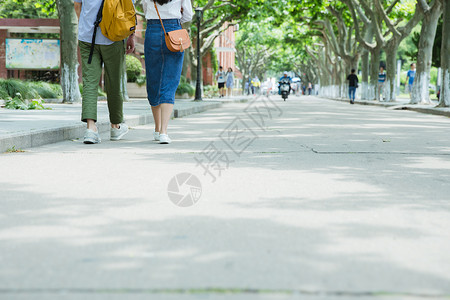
[210,91]
[185,88]
[19,103]
[134,68]
[9,88]
[141,80]
[46,90]
[13,86]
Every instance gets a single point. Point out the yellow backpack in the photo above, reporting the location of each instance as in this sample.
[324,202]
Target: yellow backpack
[119,19]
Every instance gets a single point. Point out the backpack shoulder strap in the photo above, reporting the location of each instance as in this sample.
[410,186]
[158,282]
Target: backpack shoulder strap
[94,35]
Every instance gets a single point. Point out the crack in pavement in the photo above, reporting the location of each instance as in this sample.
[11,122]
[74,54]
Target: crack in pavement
[372,152]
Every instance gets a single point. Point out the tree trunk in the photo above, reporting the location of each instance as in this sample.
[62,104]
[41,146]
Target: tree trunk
[375,55]
[420,92]
[365,67]
[391,66]
[69,55]
[444,100]
[365,75]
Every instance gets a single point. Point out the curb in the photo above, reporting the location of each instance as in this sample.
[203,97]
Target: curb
[54,135]
[443,111]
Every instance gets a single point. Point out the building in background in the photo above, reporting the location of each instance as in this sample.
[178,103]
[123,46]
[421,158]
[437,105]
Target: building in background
[226,52]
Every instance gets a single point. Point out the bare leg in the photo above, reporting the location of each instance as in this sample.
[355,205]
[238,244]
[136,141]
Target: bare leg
[229,92]
[156,110]
[91,125]
[166,112]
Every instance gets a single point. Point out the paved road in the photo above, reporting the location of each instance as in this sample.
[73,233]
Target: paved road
[319,200]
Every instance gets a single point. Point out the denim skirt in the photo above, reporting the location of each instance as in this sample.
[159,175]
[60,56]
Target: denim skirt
[163,67]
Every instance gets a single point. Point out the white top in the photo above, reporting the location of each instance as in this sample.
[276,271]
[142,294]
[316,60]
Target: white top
[220,75]
[171,10]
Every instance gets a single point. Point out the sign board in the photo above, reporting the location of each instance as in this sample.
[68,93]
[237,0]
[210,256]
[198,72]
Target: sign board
[36,54]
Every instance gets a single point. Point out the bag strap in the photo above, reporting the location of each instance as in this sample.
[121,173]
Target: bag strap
[165,33]
[96,23]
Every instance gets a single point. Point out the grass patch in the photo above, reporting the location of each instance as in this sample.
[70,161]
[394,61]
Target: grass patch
[9,88]
[13,149]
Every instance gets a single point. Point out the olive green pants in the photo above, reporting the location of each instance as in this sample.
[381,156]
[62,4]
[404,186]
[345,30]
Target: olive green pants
[112,57]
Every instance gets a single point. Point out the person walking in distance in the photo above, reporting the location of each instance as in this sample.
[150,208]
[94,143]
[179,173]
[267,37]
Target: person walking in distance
[352,85]
[220,77]
[163,66]
[309,88]
[380,85]
[410,78]
[111,55]
[230,82]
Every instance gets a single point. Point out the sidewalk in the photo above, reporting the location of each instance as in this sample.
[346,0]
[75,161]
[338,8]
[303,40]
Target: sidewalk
[319,200]
[32,128]
[403,103]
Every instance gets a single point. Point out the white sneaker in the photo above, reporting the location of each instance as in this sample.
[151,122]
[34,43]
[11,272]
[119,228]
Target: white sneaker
[155,136]
[118,133]
[164,139]
[91,137]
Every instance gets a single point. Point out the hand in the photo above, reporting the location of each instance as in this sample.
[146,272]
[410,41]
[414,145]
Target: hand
[130,44]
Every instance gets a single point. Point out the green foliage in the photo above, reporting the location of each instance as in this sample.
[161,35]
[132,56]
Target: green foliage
[9,88]
[256,45]
[28,9]
[141,80]
[134,68]
[16,103]
[214,62]
[13,149]
[3,93]
[46,90]
[184,87]
[19,103]
[14,87]
[210,91]
[415,38]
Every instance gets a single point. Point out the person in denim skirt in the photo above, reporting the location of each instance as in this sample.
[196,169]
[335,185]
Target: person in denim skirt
[163,67]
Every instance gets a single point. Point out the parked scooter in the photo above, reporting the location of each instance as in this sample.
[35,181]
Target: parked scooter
[285,88]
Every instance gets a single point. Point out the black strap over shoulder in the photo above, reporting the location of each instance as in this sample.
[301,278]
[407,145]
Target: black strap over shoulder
[96,23]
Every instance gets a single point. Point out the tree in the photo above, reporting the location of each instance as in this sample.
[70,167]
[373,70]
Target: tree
[68,36]
[365,37]
[69,54]
[444,100]
[218,16]
[28,9]
[256,43]
[436,57]
[397,34]
[432,13]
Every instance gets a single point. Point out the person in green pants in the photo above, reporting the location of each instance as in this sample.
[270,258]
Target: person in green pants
[111,55]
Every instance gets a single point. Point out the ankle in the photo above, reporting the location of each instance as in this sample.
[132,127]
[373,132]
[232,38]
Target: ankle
[117,126]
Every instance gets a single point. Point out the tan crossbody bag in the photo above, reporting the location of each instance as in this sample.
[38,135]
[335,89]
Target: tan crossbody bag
[177,40]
